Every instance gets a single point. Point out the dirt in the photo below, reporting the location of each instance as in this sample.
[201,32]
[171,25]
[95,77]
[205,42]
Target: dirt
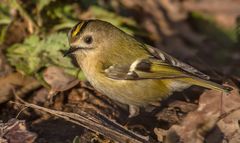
[170,26]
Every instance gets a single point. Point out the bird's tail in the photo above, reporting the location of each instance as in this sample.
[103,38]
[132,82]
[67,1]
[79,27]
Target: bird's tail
[208,84]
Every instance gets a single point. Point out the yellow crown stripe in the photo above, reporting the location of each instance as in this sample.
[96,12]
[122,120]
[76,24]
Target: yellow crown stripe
[77,29]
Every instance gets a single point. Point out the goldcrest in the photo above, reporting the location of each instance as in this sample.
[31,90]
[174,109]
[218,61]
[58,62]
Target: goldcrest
[127,70]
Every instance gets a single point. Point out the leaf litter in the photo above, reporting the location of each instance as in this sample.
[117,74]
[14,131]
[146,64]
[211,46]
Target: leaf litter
[164,24]
[216,120]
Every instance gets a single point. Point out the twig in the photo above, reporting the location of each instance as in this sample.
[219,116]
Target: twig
[95,122]
[224,115]
[20,111]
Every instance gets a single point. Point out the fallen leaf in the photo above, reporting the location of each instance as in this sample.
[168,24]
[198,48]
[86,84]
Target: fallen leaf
[9,82]
[15,131]
[58,79]
[175,111]
[215,120]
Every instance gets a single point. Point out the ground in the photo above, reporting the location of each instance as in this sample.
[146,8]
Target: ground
[204,34]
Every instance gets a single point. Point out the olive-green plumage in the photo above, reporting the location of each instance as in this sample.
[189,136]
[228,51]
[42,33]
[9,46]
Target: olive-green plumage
[127,70]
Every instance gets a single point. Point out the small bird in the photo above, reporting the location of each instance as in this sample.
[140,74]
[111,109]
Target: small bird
[127,70]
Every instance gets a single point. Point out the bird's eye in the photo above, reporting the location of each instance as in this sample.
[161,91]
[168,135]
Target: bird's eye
[88,39]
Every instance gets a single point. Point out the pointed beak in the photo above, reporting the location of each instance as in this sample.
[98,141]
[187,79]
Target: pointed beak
[70,51]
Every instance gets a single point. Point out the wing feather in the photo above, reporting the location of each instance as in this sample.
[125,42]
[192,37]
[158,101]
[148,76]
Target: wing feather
[159,65]
[145,69]
[158,54]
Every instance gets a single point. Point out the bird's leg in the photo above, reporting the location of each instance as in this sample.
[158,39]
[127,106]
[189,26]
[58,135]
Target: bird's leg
[133,111]
[221,103]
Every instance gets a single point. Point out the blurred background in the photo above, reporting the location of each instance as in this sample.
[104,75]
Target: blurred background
[203,32]
[33,37]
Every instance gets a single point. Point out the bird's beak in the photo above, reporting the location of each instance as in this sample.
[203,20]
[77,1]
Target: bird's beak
[71,50]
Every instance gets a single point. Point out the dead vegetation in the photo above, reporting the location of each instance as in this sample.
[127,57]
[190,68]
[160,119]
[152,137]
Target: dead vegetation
[32,72]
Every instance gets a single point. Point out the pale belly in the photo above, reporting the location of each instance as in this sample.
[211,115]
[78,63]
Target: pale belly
[136,92]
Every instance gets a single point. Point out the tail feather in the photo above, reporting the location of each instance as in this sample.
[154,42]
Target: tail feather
[208,84]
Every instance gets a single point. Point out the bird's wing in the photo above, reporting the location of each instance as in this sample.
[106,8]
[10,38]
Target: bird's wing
[158,66]
[117,71]
[173,62]
[144,69]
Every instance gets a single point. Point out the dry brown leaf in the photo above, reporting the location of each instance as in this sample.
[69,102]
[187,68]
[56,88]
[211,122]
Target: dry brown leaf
[215,120]
[10,82]
[15,131]
[175,111]
[58,79]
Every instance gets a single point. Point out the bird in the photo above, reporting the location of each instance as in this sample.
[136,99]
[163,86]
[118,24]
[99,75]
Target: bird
[127,70]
